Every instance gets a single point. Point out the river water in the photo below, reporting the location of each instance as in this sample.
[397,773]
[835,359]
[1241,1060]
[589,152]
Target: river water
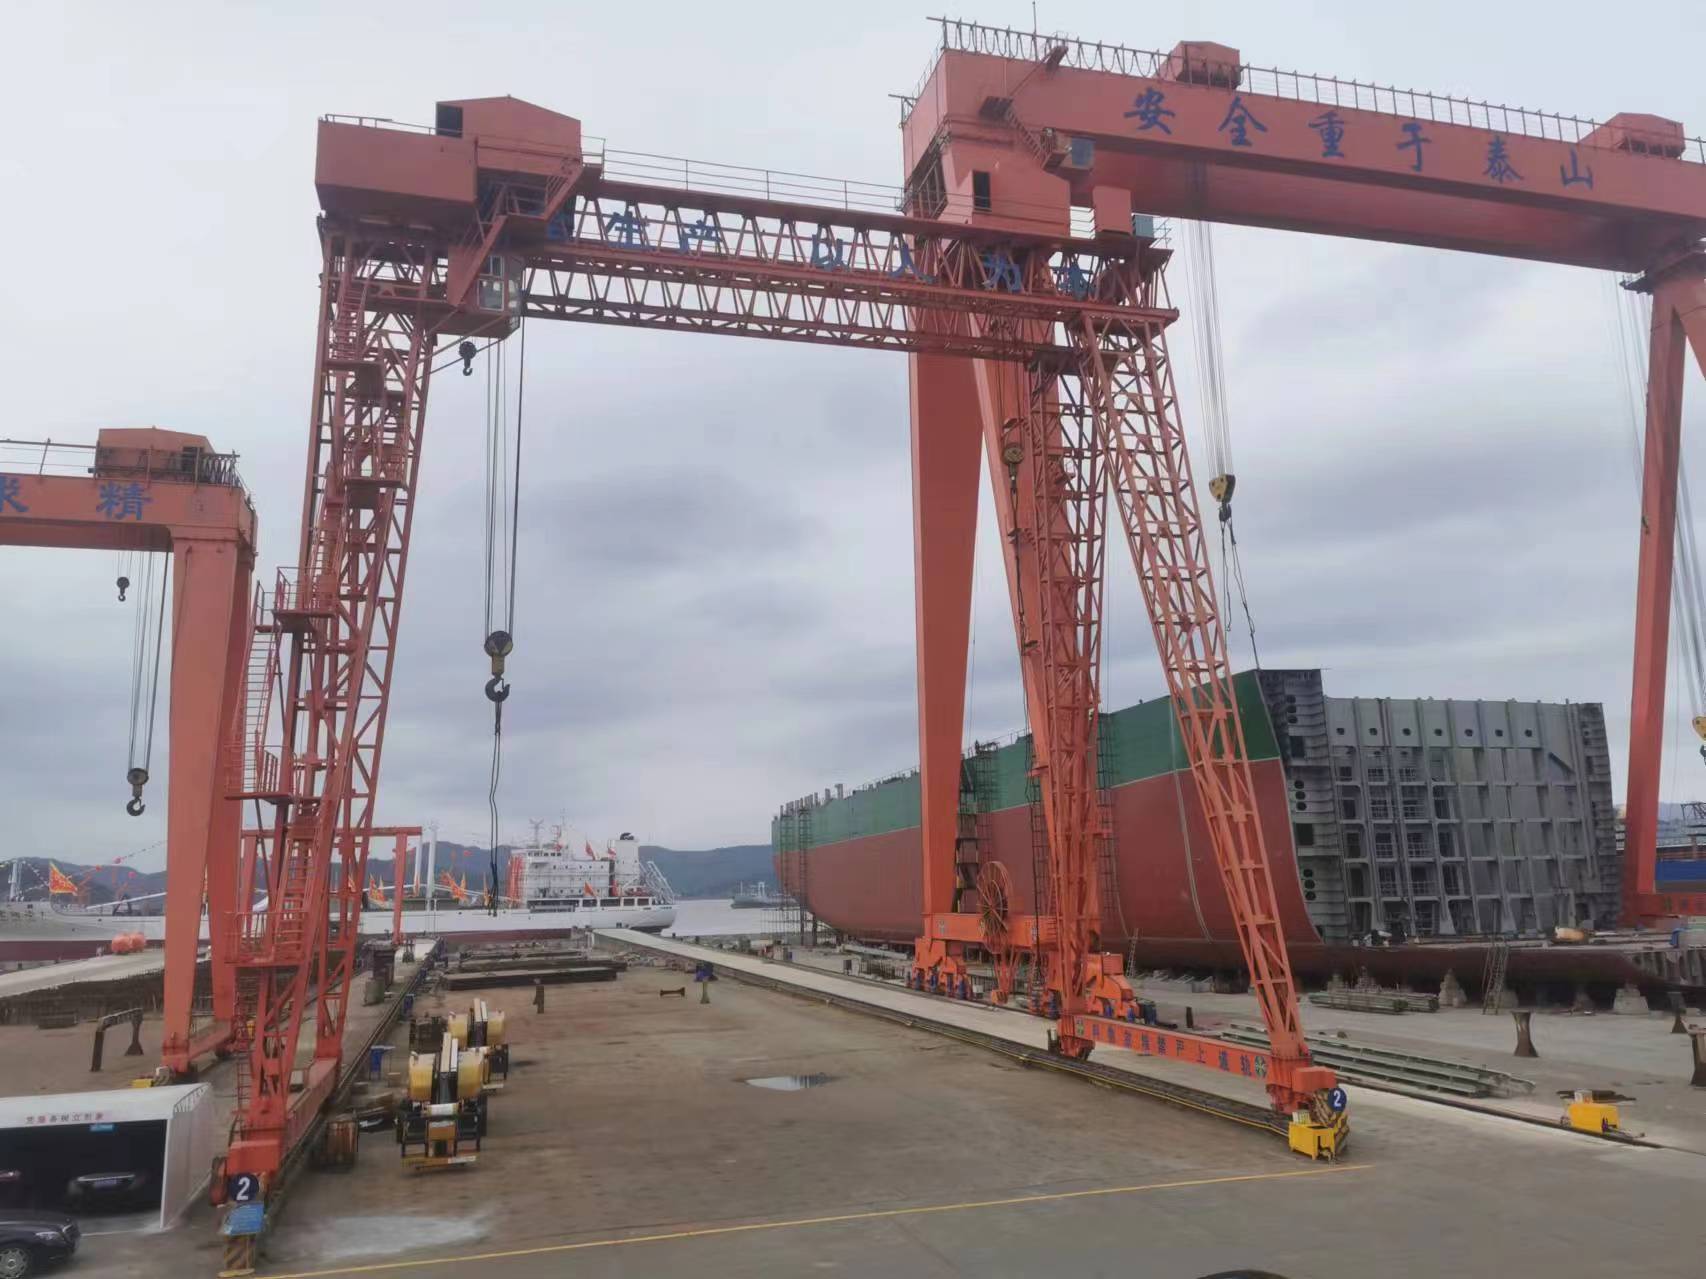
[717,917]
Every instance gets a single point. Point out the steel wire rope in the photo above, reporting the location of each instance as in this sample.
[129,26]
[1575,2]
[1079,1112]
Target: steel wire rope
[1203,288]
[145,689]
[503,506]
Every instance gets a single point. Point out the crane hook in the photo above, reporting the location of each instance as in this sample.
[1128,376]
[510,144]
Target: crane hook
[467,351]
[138,778]
[123,586]
[498,646]
[1220,489]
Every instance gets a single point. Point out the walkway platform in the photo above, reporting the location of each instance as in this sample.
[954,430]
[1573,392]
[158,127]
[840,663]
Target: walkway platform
[74,972]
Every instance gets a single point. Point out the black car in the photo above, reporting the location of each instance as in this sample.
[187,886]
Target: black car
[31,1240]
[108,1192]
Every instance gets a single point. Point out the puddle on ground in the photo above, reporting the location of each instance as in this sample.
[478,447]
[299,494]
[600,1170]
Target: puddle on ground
[788,1083]
[346,1238]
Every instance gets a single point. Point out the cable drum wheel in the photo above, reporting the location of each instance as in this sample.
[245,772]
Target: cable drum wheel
[995,909]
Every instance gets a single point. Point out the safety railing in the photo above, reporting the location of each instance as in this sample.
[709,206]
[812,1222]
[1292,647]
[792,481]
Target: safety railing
[268,936]
[1411,104]
[131,461]
[592,146]
[779,186]
[251,770]
[293,595]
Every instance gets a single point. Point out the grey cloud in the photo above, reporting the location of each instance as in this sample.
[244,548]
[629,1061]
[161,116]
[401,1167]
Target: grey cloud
[716,600]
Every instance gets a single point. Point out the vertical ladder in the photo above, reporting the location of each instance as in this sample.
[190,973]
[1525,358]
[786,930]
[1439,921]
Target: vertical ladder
[805,840]
[1493,976]
[242,1039]
[972,843]
[1042,893]
[1041,888]
[1107,870]
[776,914]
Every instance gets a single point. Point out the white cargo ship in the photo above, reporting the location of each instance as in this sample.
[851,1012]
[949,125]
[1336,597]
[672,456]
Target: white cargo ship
[551,889]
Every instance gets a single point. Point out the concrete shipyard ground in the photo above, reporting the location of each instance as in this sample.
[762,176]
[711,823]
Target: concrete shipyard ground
[626,1142]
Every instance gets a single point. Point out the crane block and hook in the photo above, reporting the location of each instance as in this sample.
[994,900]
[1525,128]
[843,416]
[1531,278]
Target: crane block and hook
[138,778]
[1220,489]
[498,646]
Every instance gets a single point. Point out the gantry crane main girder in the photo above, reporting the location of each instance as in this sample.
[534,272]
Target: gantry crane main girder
[1040,348]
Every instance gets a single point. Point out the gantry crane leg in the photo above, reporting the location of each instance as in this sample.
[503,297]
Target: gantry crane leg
[1048,477]
[1679,323]
[209,646]
[1130,385]
[947,429]
[337,617]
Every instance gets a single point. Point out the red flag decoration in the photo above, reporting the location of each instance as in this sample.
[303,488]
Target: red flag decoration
[57,883]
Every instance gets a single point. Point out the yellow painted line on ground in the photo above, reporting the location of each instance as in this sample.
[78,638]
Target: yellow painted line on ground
[872,1215]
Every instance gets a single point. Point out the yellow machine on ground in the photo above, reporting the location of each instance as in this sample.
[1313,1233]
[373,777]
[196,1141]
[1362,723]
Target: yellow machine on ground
[1592,1110]
[445,1110]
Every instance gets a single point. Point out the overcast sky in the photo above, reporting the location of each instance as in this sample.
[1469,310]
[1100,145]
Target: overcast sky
[1435,491]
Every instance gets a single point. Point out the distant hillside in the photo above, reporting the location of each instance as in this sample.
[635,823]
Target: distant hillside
[709,872]
[712,872]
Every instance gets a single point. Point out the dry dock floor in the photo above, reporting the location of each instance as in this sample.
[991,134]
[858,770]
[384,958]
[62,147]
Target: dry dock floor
[628,1143]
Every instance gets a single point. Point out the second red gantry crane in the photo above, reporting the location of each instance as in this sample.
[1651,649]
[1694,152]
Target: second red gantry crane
[1019,272]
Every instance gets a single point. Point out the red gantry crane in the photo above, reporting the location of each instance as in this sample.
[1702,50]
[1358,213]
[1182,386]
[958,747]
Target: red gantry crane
[1040,346]
[145,489]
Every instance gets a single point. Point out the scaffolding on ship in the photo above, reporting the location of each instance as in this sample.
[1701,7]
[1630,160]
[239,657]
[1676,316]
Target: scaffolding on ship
[791,918]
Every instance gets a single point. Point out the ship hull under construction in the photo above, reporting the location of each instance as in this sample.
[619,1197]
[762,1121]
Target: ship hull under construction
[1361,881]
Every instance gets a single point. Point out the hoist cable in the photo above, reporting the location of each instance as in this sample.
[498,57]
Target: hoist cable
[138,641]
[486,615]
[145,691]
[1235,577]
[515,499]
[503,531]
[1203,286]
[145,678]
[154,676]
[492,798]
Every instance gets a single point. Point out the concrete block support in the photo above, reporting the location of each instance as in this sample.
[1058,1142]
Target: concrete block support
[1630,1002]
